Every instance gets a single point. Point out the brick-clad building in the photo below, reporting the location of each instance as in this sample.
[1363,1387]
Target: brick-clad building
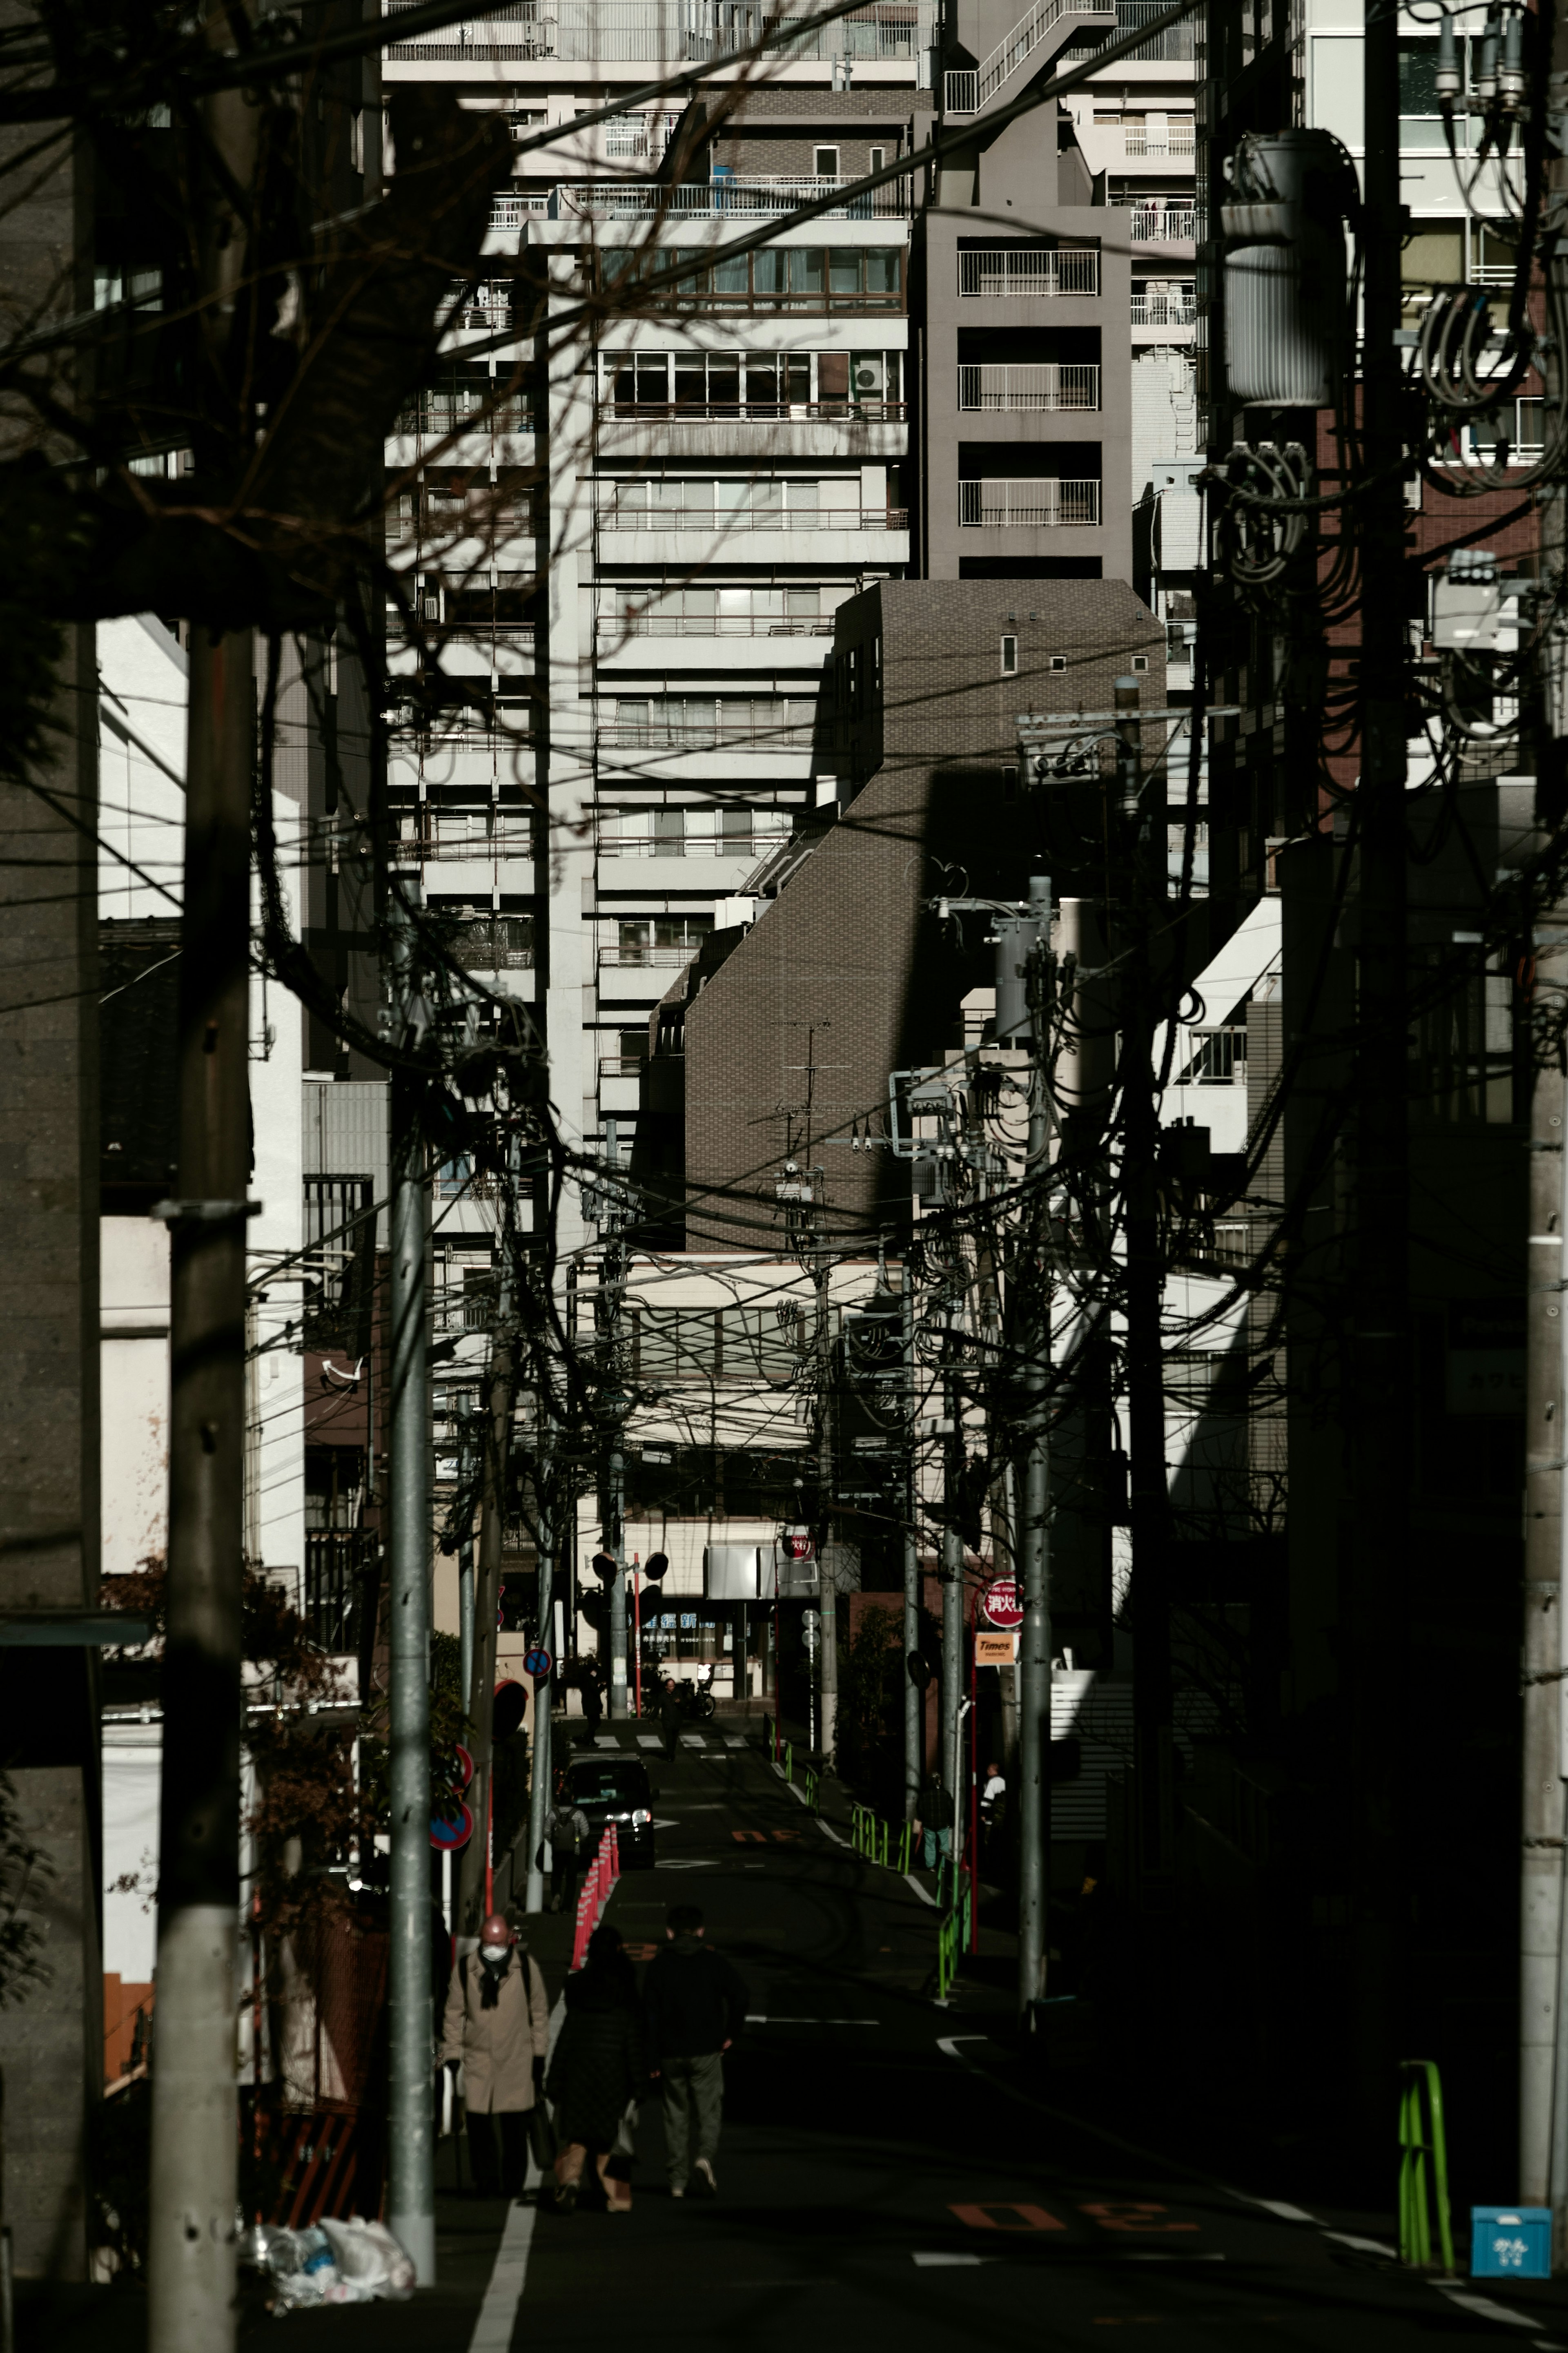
[850,973]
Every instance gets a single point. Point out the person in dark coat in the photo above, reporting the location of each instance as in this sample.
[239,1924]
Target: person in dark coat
[695,2002]
[599,2069]
[669,1719]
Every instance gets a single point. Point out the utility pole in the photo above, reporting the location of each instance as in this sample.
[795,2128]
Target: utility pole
[1543,1918]
[1034,1537]
[466,1619]
[195,2099]
[475,1883]
[952,1577]
[828,1575]
[914,1698]
[539,1791]
[411,2204]
[610,1307]
[1379,1408]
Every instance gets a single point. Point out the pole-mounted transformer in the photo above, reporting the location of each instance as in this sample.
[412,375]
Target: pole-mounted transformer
[1285,306]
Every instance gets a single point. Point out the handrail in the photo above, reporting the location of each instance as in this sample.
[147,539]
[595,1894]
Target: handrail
[952,1933]
[876,1840]
[1024,40]
[1423,2166]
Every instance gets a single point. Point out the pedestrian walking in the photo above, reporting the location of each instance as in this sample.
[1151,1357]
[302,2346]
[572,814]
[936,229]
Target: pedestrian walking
[569,1833]
[593,1705]
[993,1794]
[695,2003]
[599,2072]
[496,2028]
[669,1719]
[933,1823]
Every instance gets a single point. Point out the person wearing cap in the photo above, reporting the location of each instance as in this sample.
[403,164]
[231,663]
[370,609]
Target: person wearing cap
[498,2024]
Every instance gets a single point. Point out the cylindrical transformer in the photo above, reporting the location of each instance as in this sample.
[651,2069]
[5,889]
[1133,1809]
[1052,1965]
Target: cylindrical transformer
[1285,269]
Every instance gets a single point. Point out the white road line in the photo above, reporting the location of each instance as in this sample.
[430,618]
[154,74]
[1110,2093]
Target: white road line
[649,1740]
[734,1743]
[498,2313]
[1275,2206]
[693,1740]
[838,1838]
[1361,2246]
[923,1892]
[940,2260]
[1485,2310]
[756,2018]
[605,1740]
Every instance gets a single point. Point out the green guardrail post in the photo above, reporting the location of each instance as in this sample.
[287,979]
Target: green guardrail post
[1423,2166]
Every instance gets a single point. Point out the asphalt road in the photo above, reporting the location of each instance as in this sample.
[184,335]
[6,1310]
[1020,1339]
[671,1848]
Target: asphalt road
[886,2170]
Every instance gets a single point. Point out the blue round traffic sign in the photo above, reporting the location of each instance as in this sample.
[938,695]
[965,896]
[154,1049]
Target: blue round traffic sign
[538,1664]
[450,1831]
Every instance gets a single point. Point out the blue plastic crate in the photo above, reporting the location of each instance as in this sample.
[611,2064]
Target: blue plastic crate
[1510,2243]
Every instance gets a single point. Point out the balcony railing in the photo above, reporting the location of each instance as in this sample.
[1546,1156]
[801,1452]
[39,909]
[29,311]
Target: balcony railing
[1025,270]
[337,1564]
[708,625]
[1049,385]
[509,212]
[1026,506]
[1164,310]
[748,845]
[1174,46]
[618,517]
[1161,224]
[983,83]
[760,412]
[672,32]
[622,1066]
[726,196]
[517,843]
[659,959]
[1175,141]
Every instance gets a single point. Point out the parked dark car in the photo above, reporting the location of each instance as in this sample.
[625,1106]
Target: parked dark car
[616,1789]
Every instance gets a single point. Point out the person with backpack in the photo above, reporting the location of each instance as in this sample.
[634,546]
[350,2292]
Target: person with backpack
[569,1834]
[496,2025]
[695,2005]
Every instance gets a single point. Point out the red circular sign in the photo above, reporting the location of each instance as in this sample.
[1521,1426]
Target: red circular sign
[1003,1604]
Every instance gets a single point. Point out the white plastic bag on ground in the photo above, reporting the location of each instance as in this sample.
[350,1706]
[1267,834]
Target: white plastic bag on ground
[368,2257]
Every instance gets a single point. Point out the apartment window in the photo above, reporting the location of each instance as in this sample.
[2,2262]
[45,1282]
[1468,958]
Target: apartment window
[876,157]
[826,163]
[1058,661]
[1009,656]
[1139,661]
[792,278]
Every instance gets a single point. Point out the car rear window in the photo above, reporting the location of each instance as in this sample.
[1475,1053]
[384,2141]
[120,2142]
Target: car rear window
[599,1782]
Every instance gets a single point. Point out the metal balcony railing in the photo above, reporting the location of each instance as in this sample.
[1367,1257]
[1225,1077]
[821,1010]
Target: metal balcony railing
[751,846]
[1008,55]
[1174,46]
[1046,386]
[1026,506]
[1161,224]
[1164,310]
[708,625]
[621,517]
[1028,269]
[659,959]
[726,196]
[1178,140]
[668,32]
[762,412]
[622,1066]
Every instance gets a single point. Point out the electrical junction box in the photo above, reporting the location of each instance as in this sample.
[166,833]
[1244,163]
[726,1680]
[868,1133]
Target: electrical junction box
[1510,2243]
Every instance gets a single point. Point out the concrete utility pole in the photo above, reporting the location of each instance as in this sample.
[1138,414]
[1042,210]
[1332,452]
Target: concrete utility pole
[914,1698]
[1034,1537]
[411,2202]
[952,1577]
[474,1884]
[609,1309]
[196,2123]
[539,1790]
[827,1577]
[1543,1925]
[1378,1535]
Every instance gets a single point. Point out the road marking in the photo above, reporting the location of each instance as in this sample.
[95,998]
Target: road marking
[756,2018]
[941,2261]
[693,1740]
[605,1740]
[1275,2206]
[731,1743]
[1169,2254]
[982,2218]
[923,1892]
[1485,2310]
[832,1834]
[498,2313]
[1131,2214]
[649,1740]
[1362,2246]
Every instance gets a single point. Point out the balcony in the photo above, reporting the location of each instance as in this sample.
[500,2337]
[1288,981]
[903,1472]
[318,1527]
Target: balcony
[658,959]
[662,32]
[1179,310]
[1029,389]
[1010,271]
[753,845]
[432,849]
[618,517]
[707,625]
[980,84]
[1046,505]
[338,1565]
[726,197]
[1142,146]
[1161,224]
[1174,46]
[758,412]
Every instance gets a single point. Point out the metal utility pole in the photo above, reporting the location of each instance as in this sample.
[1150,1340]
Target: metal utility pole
[539,1791]
[1034,1536]
[1544,1890]
[195,2128]
[914,1698]
[828,1576]
[411,2203]
[466,1620]
[474,1900]
[1378,1555]
[609,1308]
[952,1575]
[1143,832]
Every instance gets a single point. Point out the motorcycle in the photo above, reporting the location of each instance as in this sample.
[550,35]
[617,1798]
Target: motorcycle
[697,1699]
